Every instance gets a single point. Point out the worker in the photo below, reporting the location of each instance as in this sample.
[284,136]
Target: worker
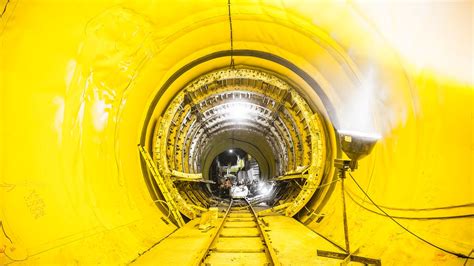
[227,185]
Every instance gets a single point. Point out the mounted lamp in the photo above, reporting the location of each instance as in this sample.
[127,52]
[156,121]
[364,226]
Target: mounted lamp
[355,145]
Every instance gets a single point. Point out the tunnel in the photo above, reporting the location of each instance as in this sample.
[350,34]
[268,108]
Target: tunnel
[118,119]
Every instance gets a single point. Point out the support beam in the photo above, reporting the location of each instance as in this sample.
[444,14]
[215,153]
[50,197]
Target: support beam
[348,257]
[162,186]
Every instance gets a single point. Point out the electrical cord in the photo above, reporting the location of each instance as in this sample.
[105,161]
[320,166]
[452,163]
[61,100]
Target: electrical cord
[231,36]
[430,209]
[420,209]
[167,206]
[411,218]
[327,184]
[311,212]
[5,8]
[467,259]
[320,186]
[406,229]
[9,239]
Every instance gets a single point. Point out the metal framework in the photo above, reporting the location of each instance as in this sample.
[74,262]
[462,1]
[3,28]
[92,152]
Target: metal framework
[161,184]
[276,111]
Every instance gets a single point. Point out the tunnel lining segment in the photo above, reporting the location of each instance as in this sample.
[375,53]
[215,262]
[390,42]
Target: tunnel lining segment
[327,105]
[296,131]
[240,52]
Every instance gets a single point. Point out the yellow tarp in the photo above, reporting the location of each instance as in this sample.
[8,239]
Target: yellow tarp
[76,78]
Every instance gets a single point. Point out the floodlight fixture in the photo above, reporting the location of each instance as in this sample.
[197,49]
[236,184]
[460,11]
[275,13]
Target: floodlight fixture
[356,145]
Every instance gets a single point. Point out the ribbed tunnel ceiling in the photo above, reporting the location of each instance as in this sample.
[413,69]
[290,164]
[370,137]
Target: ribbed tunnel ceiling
[251,106]
[249,109]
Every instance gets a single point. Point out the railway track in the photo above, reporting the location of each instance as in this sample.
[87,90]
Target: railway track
[240,239]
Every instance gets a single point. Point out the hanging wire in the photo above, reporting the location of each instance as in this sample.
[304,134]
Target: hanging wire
[231,37]
[351,196]
[311,212]
[406,229]
[167,205]
[4,8]
[458,206]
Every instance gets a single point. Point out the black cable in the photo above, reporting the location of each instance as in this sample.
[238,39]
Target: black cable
[406,229]
[412,218]
[466,205]
[5,8]
[5,233]
[430,209]
[231,37]
[414,209]
[467,259]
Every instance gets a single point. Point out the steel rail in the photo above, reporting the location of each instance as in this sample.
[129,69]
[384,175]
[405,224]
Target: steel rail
[204,253]
[267,248]
[266,239]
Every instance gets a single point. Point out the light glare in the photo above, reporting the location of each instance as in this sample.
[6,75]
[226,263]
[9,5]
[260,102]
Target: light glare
[360,134]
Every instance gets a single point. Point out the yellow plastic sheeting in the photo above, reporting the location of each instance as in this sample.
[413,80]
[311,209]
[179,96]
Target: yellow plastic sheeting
[76,79]
[415,167]
[189,242]
[67,192]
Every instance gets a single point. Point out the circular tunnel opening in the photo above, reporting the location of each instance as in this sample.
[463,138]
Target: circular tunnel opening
[241,132]
[235,173]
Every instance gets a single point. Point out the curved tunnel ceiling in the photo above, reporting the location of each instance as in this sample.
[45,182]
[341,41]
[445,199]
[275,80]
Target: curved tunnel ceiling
[110,75]
[264,115]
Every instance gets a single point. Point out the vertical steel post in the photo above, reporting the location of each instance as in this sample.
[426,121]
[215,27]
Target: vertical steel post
[344,214]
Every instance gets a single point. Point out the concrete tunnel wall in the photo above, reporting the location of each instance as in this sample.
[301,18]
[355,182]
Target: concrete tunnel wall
[76,79]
